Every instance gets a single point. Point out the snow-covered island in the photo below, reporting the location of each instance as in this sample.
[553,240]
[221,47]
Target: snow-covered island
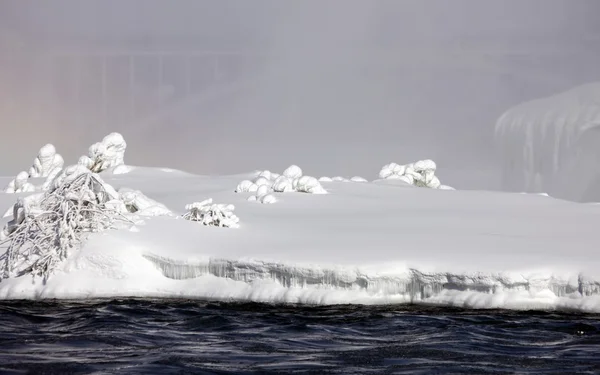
[101,228]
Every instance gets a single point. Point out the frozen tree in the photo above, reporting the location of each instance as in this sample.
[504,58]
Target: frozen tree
[20,184]
[209,214]
[47,162]
[46,226]
[108,153]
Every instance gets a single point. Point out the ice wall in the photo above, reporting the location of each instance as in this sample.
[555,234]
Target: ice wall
[553,145]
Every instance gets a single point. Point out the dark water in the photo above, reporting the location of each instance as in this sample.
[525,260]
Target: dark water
[199,337]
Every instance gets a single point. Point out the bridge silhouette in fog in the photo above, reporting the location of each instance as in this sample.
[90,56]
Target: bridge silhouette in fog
[109,89]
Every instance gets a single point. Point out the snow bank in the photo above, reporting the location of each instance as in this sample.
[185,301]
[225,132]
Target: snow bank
[291,180]
[108,153]
[212,215]
[553,145]
[420,173]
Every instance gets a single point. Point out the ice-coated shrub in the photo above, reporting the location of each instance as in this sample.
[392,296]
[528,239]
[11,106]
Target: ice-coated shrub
[137,203]
[290,180]
[108,153]
[292,172]
[420,173]
[282,185]
[47,162]
[209,214]
[307,184]
[20,184]
[47,225]
[246,186]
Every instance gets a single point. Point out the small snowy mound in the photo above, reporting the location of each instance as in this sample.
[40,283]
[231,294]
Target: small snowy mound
[47,162]
[289,181]
[214,215]
[46,226]
[420,173]
[20,184]
[358,179]
[325,179]
[339,179]
[106,154]
[137,203]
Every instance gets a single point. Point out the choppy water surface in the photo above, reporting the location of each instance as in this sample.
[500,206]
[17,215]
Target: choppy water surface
[179,337]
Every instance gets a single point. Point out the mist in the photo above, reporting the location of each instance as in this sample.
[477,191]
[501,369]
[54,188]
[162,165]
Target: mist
[337,87]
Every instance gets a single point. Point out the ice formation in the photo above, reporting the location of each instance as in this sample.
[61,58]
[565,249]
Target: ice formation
[106,154]
[553,145]
[209,214]
[47,162]
[290,180]
[420,173]
[20,184]
[46,226]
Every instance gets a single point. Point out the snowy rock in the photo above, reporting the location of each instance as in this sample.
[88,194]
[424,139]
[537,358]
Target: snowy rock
[47,162]
[209,214]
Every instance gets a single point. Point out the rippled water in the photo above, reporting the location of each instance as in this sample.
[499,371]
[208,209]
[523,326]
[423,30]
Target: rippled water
[178,337]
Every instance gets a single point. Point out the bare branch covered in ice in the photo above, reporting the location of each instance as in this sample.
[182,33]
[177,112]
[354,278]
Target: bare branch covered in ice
[209,214]
[46,226]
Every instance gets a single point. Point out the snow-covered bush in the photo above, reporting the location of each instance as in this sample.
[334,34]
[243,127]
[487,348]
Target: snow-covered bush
[290,180]
[20,184]
[47,162]
[311,185]
[246,186]
[358,179]
[137,203]
[325,179]
[420,173]
[47,225]
[108,153]
[342,179]
[209,214]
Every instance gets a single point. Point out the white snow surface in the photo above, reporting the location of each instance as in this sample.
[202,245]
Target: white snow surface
[552,145]
[375,243]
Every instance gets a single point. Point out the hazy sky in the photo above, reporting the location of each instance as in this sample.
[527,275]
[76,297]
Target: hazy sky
[341,87]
